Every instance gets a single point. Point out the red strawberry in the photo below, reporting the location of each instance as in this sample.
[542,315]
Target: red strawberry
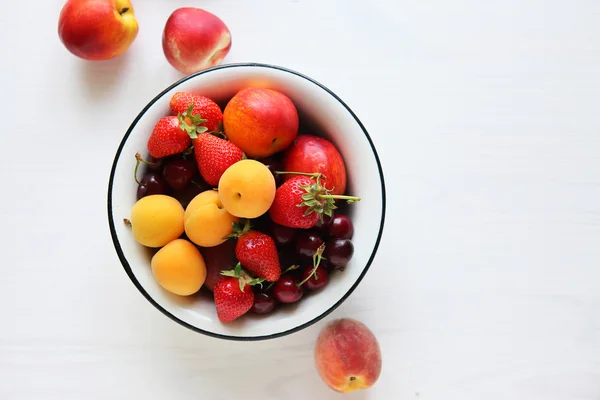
[168,138]
[302,201]
[214,155]
[172,135]
[233,295]
[257,252]
[203,106]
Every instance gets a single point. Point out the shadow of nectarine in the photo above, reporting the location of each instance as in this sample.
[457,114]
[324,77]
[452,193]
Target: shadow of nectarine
[102,78]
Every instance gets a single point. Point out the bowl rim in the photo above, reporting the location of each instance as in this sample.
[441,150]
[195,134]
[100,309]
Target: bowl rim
[125,263]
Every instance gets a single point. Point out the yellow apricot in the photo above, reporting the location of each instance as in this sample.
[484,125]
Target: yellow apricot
[207,222]
[179,268]
[247,189]
[156,220]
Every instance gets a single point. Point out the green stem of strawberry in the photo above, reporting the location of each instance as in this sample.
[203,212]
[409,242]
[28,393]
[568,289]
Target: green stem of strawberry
[350,199]
[190,123]
[317,257]
[314,175]
[239,228]
[243,277]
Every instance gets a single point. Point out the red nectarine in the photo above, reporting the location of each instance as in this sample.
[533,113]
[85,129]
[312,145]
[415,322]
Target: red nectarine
[194,39]
[315,154]
[347,355]
[261,122]
[97,29]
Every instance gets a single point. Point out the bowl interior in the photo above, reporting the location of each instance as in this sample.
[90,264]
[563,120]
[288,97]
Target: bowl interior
[323,114]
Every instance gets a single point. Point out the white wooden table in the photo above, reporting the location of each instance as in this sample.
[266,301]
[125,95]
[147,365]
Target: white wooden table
[487,282]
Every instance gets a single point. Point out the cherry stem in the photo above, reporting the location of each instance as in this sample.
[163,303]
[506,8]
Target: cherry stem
[291,268]
[197,184]
[188,151]
[219,134]
[139,160]
[317,257]
[137,165]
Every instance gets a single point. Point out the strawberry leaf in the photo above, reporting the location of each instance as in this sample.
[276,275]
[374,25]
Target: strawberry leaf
[239,228]
[309,211]
[189,123]
[318,198]
[242,276]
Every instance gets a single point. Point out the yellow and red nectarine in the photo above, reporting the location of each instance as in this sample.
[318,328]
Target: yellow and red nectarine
[194,39]
[347,355]
[97,29]
[260,121]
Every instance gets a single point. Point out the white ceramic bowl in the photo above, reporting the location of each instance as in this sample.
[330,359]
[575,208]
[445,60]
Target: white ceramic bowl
[365,179]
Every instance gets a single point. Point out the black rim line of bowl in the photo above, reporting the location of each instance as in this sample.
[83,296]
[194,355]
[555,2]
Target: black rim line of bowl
[126,266]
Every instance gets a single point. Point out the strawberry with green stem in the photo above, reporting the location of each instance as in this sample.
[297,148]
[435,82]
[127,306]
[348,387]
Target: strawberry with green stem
[302,201]
[256,251]
[233,293]
[209,110]
[173,134]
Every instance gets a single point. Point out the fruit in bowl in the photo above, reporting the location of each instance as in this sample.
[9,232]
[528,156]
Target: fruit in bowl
[277,245]
[246,189]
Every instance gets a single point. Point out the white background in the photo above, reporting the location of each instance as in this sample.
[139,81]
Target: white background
[487,282]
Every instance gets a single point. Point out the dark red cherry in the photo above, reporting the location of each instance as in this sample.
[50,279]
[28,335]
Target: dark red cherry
[339,252]
[286,290]
[179,173]
[307,243]
[264,303]
[340,227]
[151,183]
[317,281]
